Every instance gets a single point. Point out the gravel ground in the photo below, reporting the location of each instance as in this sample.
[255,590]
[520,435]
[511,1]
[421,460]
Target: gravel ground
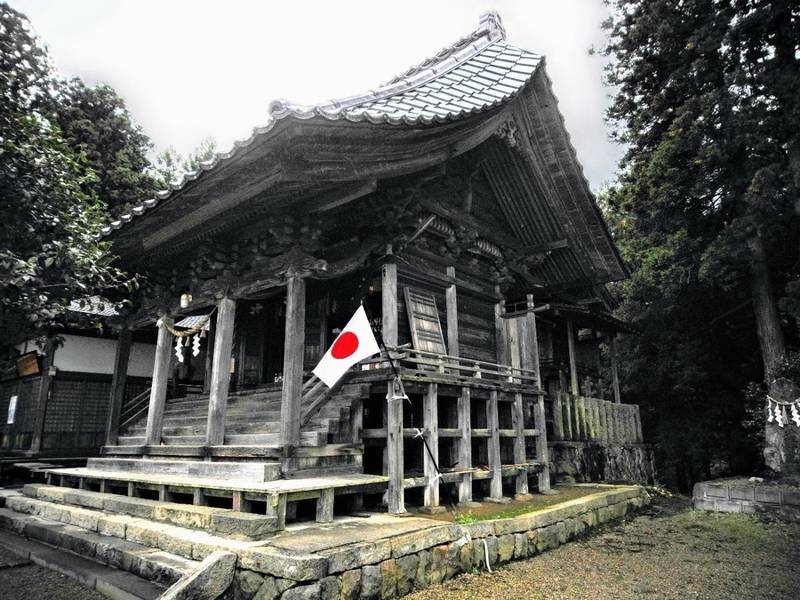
[669,551]
[22,580]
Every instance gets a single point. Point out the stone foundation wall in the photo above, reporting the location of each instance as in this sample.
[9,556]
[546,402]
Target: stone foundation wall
[396,566]
[744,496]
[592,461]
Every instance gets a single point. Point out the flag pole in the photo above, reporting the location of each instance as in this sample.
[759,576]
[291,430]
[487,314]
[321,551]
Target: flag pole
[379,335]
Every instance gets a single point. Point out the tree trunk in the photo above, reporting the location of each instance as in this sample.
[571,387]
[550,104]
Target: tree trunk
[770,339]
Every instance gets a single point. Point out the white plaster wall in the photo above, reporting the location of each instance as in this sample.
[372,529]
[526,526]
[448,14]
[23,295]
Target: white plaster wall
[96,355]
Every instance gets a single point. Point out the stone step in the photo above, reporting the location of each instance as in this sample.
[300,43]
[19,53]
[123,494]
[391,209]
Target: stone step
[307,438]
[82,507]
[50,524]
[107,580]
[257,471]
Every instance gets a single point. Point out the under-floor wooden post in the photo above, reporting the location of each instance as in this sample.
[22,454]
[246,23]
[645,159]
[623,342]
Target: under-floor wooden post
[325,506]
[158,389]
[465,447]
[542,454]
[118,380]
[495,461]
[394,442]
[518,420]
[431,424]
[294,344]
[220,373]
[573,364]
[44,395]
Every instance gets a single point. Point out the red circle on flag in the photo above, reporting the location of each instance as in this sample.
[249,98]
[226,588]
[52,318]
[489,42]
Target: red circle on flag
[345,345]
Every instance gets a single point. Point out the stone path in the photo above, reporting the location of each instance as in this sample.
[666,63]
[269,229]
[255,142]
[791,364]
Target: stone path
[667,552]
[22,580]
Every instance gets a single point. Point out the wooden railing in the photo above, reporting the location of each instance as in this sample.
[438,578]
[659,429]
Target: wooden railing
[577,418]
[134,409]
[443,368]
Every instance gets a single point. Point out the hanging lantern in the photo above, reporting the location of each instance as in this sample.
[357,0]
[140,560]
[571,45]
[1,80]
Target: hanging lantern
[186,300]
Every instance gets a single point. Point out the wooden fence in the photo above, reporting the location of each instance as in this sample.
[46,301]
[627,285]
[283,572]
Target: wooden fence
[577,418]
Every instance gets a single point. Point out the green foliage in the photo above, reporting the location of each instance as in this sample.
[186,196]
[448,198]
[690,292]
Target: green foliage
[97,125]
[170,165]
[49,248]
[466,518]
[707,105]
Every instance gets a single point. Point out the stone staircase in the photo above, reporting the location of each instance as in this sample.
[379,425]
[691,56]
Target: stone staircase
[252,418]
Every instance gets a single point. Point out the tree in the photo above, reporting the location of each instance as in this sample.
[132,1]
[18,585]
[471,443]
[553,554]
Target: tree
[49,248]
[97,125]
[170,165]
[707,200]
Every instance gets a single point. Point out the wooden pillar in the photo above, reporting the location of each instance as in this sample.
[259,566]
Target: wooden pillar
[118,380]
[615,370]
[211,337]
[502,351]
[465,447]
[394,445]
[573,365]
[294,344]
[518,420]
[495,462]
[431,425]
[451,304]
[558,417]
[389,301]
[158,389]
[220,373]
[45,382]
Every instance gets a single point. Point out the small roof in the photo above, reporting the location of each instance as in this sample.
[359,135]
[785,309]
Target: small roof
[583,315]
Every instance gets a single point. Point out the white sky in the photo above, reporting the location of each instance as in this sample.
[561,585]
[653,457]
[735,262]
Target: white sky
[195,69]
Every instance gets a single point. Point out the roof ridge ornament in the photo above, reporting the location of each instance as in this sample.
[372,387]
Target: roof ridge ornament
[493,24]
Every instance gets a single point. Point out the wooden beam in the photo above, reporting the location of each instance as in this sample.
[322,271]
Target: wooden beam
[158,389]
[220,373]
[615,369]
[495,461]
[118,380]
[389,301]
[546,247]
[45,382]
[451,305]
[210,337]
[573,365]
[394,443]
[294,345]
[465,447]
[430,412]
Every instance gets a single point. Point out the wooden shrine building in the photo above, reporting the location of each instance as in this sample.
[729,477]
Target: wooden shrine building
[450,201]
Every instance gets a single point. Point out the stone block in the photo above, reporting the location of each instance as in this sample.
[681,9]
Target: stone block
[269,590]
[358,555]
[516,525]
[242,525]
[302,592]
[406,573]
[297,567]
[532,536]
[246,584]
[78,541]
[702,503]
[370,582]
[768,494]
[136,507]
[505,547]
[83,518]
[717,491]
[112,525]
[466,556]
[453,567]
[388,579]
[51,493]
[424,539]
[31,490]
[728,506]
[791,498]
[329,588]
[143,533]
[423,568]
[211,578]
[438,569]
[350,585]
[184,515]
[520,545]
[84,498]
[481,529]
[743,493]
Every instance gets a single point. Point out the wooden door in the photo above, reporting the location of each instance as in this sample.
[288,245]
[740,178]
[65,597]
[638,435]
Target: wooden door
[423,319]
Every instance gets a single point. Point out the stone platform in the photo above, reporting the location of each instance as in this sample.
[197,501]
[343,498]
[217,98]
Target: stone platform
[369,556]
[749,497]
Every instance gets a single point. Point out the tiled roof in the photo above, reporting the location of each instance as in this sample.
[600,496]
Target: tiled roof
[192,321]
[93,306]
[476,74]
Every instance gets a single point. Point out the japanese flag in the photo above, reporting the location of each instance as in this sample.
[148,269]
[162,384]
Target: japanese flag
[356,342]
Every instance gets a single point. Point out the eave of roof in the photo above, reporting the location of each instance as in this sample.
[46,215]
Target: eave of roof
[476,74]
